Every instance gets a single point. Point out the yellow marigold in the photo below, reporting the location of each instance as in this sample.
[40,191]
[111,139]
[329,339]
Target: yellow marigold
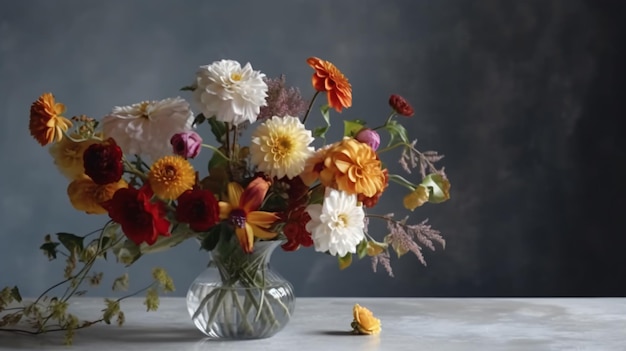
[171,176]
[46,123]
[68,156]
[364,321]
[85,195]
[353,167]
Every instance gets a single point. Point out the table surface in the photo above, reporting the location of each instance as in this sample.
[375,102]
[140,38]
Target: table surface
[324,324]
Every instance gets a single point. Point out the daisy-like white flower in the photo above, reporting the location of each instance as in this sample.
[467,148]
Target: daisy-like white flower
[336,225]
[280,147]
[231,93]
[146,128]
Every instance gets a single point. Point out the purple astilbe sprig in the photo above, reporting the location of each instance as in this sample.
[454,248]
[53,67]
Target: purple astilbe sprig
[407,238]
[282,100]
[384,260]
[413,158]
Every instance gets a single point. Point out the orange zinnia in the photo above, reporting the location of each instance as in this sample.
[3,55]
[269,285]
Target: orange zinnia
[329,79]
[353,167]
[46,123]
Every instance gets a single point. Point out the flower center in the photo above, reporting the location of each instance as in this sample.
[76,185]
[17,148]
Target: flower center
[340,221]
[238,218]
[169,172]
[235,76]
[143,109]
[281,146]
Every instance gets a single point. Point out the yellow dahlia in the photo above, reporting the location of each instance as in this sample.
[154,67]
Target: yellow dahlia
[85,195]
[68,156]
[353,167]
[280,147]
[46,123]
[170,176]
[364,321]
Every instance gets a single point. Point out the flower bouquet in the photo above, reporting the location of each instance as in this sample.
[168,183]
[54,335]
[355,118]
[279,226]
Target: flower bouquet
[285,185]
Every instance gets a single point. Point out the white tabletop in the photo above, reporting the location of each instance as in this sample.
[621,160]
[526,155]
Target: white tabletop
[408,324]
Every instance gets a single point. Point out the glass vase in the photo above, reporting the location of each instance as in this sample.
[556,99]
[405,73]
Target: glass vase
[239,296]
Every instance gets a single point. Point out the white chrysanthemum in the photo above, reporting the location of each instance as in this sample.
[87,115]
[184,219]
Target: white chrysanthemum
[146,128]
[229,92]
[280,147]
[336,225]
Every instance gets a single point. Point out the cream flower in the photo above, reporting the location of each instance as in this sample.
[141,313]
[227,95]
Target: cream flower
[146,128]
[336,225]
[280,147]
[229,92]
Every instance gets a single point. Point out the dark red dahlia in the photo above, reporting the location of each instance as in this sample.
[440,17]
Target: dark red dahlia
[400,105]
[103,162]
[295,230]
[199,208]
[141,219]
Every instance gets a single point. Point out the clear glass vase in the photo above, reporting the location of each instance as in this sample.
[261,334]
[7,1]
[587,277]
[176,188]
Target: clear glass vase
[239,296]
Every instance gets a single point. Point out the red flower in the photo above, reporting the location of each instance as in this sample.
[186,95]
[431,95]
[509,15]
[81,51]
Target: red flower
[103,162]
[295,230]
[141,220]
[199,208]
[400,105]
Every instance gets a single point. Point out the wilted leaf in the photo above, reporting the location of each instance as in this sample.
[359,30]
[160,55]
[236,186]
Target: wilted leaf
[15,293]
[121,283]
[345,261]
[50,250]
[361,249]
[73,243]
[438,186]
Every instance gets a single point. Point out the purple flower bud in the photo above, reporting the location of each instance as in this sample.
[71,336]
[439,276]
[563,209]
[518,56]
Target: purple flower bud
[186,144]
[369,137]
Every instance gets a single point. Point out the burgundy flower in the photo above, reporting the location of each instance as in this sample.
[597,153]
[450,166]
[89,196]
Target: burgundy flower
[186,144]
[141,220]
[199,208]
[103,162]
[400,105]
[295,230]
[369,137]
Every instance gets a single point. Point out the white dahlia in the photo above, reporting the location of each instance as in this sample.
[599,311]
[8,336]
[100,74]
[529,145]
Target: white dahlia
[146,128]
[336,225]
[229,92]
[280,147]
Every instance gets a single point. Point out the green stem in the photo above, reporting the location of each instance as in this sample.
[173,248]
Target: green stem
[214,149]
[402,181]
[308,110]
[391,147]
[393,113]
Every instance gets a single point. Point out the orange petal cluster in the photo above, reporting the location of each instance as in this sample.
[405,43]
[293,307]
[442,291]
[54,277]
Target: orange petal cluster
[353,167]
[86,195]
[46,123]
[329,79]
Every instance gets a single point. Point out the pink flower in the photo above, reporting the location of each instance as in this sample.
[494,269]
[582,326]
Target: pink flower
[186,144]
[369,137]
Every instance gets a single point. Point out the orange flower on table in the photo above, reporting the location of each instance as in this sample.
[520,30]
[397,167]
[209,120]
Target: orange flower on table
[68,156]
[353,167]
[364,321]
[329,79]
[86,195]
[242,210]
[46,123]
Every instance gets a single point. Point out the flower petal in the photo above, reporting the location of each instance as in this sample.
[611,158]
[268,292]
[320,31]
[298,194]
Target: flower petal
[234,193]
[261,218]
[225,209]
[252,198]
[262,233]
[246,237]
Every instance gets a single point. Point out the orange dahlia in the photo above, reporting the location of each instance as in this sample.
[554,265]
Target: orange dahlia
[329,79]
[85,195]
[46,123]
[353,167]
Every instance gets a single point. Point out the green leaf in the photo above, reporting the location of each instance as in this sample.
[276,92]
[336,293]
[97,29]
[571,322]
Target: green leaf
[50,249]
[345,261]
[397,133]
[212,237]
[218,129]
[321,131]
[361,249]
[217,161]
[317,195]
[351,128]
[199,119]
[438,186]
[188,88]
[73,243]
[15,293]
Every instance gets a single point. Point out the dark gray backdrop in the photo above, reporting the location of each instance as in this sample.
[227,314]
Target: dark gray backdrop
[524,97]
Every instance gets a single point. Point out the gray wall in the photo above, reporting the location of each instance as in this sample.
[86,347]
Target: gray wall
[524,98]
